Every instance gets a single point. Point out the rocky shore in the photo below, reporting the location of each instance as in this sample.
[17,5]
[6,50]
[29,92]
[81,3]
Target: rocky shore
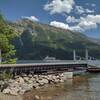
[24,83]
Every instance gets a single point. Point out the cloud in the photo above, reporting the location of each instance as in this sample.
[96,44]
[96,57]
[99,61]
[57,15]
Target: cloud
[81,10]
[85,23]
[32,18]
[89,11]
[93,5]
[59,6]
[66,7]
[59,25]
[71,19]
[92,18]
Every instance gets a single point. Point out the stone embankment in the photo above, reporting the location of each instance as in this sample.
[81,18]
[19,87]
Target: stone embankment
[21,84]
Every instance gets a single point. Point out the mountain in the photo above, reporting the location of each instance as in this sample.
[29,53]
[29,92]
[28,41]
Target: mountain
[95,40]
[36,41]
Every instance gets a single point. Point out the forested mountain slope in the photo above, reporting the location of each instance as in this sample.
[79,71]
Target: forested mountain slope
[36,41]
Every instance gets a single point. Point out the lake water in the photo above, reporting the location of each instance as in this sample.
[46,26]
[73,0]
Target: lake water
[83,87]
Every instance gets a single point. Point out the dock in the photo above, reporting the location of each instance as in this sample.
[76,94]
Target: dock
[44,67]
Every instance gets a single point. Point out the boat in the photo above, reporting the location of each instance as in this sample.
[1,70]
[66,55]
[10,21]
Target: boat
[94,70]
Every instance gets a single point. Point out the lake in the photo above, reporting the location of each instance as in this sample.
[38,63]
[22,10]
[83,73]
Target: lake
[83,87]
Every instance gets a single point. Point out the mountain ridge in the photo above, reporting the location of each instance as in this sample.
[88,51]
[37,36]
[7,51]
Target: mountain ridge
[37,40]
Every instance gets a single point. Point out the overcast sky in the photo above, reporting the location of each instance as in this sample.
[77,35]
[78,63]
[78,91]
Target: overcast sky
[76,15]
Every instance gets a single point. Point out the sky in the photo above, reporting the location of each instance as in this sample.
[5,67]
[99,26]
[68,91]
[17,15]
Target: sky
[77,15]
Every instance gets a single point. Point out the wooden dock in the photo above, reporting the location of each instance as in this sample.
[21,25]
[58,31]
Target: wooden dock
[43,67]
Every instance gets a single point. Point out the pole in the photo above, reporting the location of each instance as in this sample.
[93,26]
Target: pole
[74,55]
[86,54]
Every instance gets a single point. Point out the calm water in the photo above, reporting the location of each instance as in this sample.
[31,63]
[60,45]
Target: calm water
[84,87]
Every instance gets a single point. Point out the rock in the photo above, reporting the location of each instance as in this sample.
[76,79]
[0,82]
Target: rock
[49,98]
[30,76]
[2,82]
[24,75]
[58,77]
[45,81]
[30,82]
[6,91]
[40,77]
[36,85]
[62,75]
[20,80]
[53,77]
[4,86]
[42,82]
[35,76]
[61,80]
[33,79]
[56,80]
[26,87]
[11,81]
[21,92]
[26,79]
[36,97]
[45,77]
[17,76]
[26,83]
[13,92]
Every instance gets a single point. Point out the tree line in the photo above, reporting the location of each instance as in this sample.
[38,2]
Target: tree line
[6,35]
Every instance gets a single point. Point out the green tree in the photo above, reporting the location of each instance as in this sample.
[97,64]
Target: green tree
[6,36]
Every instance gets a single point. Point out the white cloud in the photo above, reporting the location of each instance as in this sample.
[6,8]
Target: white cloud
[92,18]
[71,19]
[59,25]
[93,5]
[81,10]
[59,6]
[85,23]
[89,11]
[32,18]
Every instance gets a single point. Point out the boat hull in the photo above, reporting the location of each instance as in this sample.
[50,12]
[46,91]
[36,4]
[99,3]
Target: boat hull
[94,70]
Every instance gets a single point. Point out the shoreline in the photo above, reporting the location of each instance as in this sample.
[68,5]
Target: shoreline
[21,84]
[58,91]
